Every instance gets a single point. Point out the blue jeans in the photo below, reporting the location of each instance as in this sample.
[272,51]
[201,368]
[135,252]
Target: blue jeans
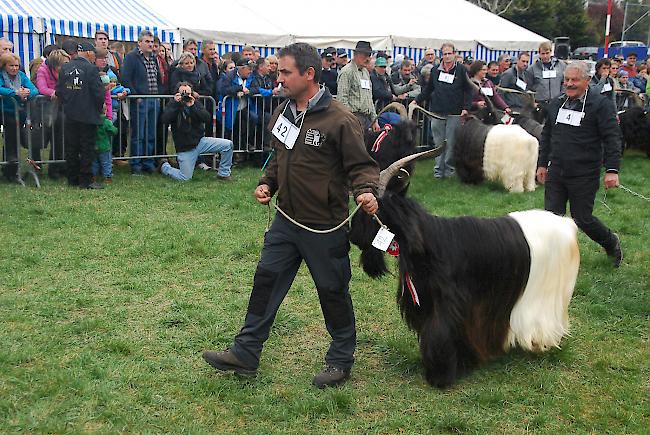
[104,161]
[144,117]
[187,159]
[445,130]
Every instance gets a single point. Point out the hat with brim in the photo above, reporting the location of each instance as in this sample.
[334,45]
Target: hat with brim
[326,54]
[363,47]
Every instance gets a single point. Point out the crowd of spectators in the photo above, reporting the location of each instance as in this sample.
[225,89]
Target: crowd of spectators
[239,88]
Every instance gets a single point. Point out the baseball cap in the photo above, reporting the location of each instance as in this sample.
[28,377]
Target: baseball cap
[342,52]
[325,54]
[381,61]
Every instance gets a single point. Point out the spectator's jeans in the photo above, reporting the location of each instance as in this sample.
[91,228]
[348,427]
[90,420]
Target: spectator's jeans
[187,159]
[104,161]
[445,130]
[144,117]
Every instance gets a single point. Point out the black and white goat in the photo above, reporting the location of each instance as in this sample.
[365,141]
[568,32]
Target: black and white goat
[505,153]
[472,288]
[635,126]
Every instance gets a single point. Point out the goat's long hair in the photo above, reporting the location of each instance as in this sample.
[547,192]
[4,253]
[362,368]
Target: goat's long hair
[469,149]
[635,126]
[469,286]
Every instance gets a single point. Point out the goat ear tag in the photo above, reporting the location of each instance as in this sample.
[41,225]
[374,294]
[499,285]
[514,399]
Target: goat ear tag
[382,239]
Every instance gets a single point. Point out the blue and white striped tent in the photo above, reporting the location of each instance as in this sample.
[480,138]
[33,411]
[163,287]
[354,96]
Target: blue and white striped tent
[32,24]
[22,29]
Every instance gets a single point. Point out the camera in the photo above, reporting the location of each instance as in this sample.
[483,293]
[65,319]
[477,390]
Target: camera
[186,97]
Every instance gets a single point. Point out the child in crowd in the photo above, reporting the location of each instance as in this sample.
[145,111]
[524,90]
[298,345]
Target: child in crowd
[103,165]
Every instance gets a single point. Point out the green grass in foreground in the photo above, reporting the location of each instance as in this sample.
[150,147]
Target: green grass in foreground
[107,299]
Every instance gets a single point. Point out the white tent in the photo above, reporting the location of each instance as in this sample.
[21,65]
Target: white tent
[404,28]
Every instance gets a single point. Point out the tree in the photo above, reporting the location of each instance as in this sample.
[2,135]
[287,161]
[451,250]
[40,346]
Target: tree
[500,7]
[571,20]
[539,17]
[598,15]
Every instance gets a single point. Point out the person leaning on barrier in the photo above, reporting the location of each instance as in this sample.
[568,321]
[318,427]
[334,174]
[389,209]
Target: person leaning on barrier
[312,170]
[548,75]
[383,92]
[520,79]
[15,91]
[405,82]
[580,135]
[187,117]
[355,88]
[449,93]
[259,83]
[140,74]
[233,97]
[602,82]
[52,120]
[82,93]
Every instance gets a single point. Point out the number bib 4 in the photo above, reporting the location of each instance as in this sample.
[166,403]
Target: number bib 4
[569,117]
[285,131]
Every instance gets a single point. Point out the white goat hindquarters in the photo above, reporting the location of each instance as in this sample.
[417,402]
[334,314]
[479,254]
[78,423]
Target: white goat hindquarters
[540,318]
[510,157]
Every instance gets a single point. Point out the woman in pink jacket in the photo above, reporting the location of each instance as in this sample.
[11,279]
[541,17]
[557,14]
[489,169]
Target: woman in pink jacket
[51,112]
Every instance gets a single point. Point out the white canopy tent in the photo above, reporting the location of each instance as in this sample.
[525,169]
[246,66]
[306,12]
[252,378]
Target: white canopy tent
[409,29]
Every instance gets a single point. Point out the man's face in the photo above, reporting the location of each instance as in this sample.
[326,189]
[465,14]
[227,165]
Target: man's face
[156,49]
[406,70]
[631,60]
[293,83]
[494,70]
[101,41]
[192,48]
[603,71]
[613,71]
[101,62]
[326,62]
[545,55]
[6,47]
[430,56]
[244,71]
[146,45]
[448,55]
[504,64]
[263,68]
[522,62]
[247,54]
[361,59]
[208,51]
[342,60]
[381,70]
[574,83]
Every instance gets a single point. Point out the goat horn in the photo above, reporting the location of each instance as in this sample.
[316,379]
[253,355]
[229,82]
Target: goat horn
[398,107]
[394,168]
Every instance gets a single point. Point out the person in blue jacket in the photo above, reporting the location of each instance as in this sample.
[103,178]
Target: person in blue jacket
[15,91]
[233,86]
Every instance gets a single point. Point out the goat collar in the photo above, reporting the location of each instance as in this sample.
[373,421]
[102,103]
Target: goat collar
[380,138]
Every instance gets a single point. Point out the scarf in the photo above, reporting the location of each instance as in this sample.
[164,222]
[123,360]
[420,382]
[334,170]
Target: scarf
[10,83]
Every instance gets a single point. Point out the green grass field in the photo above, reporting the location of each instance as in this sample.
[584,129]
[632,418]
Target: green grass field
[108,298]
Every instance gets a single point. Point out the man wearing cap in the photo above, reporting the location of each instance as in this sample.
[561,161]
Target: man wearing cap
[383,91]
[233,86]
[328,74]
[355,87]
[140,73]
[319,156]
[81,93]
[341,58]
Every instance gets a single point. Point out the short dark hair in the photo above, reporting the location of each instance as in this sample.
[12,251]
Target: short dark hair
[493,63]
[602,62]
[522,54]
[178,86]
[475,67]
[305,56]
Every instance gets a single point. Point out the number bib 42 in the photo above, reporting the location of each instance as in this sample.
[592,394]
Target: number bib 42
[286,132]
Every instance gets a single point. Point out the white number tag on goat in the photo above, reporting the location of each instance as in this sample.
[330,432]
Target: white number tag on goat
[569,117]
[365,84]
[382,239]
[447,78]
[521,84]
[606,88]
[286,131]
[488,92]
[549,74]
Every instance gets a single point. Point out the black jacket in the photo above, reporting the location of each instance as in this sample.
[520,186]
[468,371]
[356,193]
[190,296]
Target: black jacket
[578,151]
[328,78]
[133,73]
[198,83]
[187,124]
[448,98]
[382,89]
[81,91]
[227,84]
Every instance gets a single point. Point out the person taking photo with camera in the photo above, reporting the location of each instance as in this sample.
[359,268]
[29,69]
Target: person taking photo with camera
[187,117]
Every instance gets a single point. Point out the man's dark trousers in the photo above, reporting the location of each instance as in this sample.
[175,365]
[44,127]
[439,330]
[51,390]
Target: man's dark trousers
[80,139]
[581,193]
[326,256]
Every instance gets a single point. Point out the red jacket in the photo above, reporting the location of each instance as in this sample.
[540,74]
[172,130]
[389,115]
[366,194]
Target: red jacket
[496,98]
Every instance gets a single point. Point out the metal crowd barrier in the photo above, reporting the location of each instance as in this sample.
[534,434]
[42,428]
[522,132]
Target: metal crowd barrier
[244,120]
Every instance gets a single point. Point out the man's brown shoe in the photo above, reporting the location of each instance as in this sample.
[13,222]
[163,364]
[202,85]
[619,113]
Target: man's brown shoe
[331,376]
[227,361]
